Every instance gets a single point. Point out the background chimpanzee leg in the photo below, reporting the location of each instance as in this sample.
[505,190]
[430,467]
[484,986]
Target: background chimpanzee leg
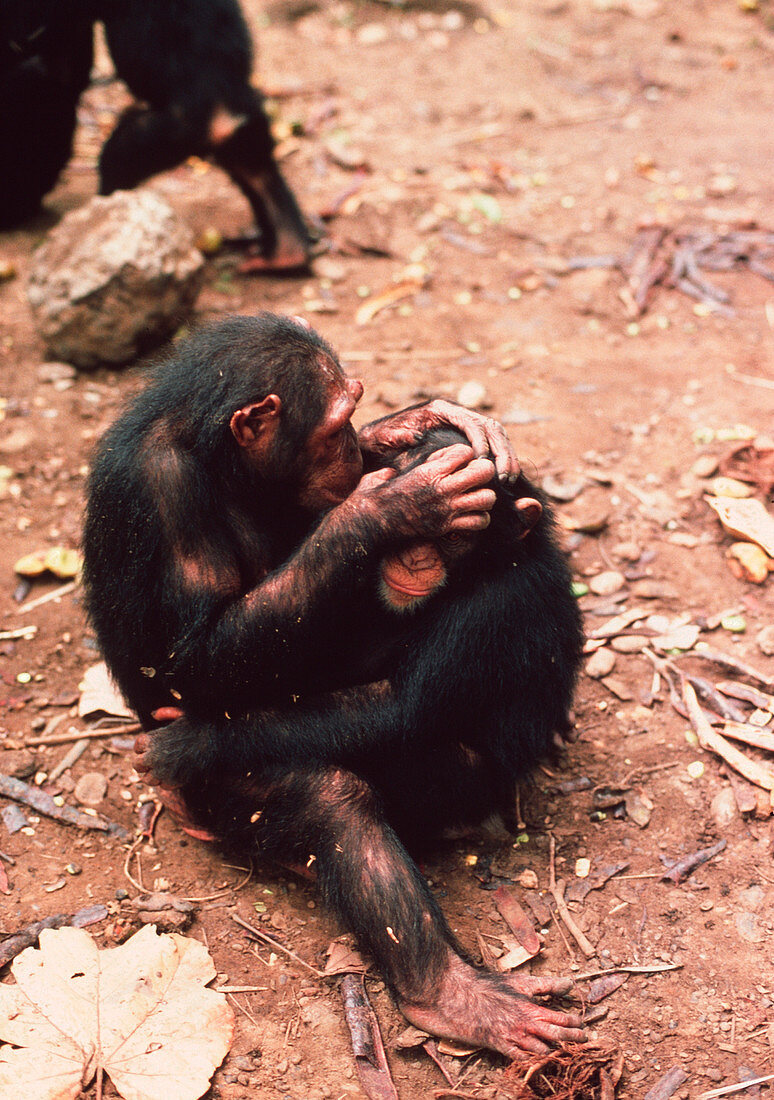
[189,64]
[248,157]
[145,142]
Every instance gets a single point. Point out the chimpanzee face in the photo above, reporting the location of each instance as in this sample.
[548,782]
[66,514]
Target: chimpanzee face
[333,464]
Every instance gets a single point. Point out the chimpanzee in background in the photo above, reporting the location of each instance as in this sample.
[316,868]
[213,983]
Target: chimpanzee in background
[240,575]
[187,62]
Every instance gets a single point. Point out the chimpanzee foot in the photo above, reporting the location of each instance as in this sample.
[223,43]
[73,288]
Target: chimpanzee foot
[170,797]
[285,261]
[483,1009]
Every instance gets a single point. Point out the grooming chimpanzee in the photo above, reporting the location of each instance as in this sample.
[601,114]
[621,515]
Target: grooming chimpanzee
[240,574]
[187,62]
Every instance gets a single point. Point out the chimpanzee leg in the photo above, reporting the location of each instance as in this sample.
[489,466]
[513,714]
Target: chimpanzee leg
[331,820]
[146,142]
[247,154]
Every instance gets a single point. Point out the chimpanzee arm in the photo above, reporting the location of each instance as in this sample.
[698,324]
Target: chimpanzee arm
[283,636]
[382,438]
[343,726]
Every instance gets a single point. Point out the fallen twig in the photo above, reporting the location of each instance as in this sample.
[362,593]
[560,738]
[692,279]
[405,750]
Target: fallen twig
[680,870]
[726,1090]
[43,803]
[733,663]
[747,694]
[656,968]
[557,893]
[16,943]
[668,1085]
[77,735]
[69,758]
[248,873]
[272,942]
[25,632]
[750,735]
[367,1045]
[54,594]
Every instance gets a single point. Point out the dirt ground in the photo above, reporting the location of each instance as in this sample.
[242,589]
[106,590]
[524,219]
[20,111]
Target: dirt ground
[496,144]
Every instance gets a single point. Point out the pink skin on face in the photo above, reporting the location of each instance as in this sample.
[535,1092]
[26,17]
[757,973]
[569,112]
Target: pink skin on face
[334,461]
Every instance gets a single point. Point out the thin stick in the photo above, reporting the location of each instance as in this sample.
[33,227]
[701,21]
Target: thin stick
[271,942]
[69,758]
[557,893]
[241,988]
[728,1089]
[77,735]
[26,632]
[135,845]
[657,968]
[242,1008]
[63,590]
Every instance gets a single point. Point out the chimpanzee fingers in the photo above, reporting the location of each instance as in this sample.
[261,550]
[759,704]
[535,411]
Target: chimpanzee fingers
[469,521]
[542,986]
[527,1044]
[477,500]
[141,746]
[475,475]
[375,479]
[486,436]
[447,460]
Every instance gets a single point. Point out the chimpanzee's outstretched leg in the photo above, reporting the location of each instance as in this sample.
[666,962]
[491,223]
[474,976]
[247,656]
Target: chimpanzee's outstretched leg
[331,820]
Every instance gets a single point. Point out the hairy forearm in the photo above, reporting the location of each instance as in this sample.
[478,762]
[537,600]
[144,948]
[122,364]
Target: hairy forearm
[337,728]
[280,638]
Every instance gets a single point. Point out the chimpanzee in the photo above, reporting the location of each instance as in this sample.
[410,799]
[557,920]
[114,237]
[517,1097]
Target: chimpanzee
[45,62]
[239,570]
[187,62]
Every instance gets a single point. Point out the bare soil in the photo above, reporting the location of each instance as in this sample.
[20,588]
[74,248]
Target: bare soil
[497,143]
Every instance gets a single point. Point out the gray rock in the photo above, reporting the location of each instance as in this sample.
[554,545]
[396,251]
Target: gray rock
[114,279]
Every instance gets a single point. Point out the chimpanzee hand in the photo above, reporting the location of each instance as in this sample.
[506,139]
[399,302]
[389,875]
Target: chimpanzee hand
[165,756]
[448,492]
[403,429]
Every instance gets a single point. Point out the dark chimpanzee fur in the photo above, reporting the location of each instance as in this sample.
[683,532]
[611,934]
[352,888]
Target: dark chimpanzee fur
[45,62]
[187,61]
[317,722]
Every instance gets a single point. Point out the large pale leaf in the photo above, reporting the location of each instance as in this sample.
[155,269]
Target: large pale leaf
[140,1011]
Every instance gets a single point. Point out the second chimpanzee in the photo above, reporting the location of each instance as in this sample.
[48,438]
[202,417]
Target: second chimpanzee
[240,572]
[188,64]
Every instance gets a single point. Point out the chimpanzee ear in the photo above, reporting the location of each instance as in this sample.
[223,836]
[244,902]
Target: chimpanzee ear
[529,511]
[255,424]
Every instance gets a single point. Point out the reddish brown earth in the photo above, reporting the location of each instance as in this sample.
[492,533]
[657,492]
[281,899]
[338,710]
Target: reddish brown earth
[499,144]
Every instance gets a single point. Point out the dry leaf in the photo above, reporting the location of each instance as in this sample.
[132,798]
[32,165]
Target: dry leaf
[343,958]
[747,519]
[404,289]
[140,1012]
[748,562]
[100,695]
[60,561]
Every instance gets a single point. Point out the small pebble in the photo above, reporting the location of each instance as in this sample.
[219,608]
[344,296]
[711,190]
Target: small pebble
[605,584]
[629,643]
[600,663]
[90,789]
[705,466]
[473,395]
